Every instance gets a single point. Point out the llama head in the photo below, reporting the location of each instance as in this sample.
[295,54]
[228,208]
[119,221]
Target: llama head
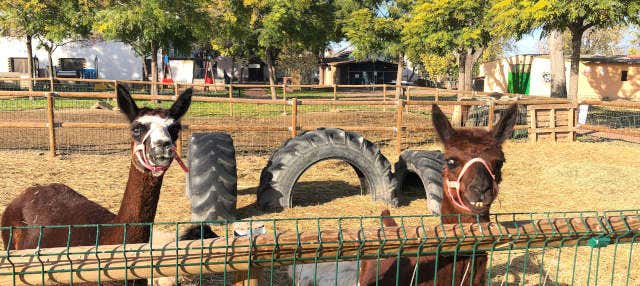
[154,131]
[473,162]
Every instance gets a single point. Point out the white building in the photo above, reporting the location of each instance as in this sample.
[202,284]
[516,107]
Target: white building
[113,60]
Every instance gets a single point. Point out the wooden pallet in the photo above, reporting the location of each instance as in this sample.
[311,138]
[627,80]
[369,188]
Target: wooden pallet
[552,122]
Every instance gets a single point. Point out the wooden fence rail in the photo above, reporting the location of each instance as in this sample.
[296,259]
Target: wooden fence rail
[539,109]
[119,262]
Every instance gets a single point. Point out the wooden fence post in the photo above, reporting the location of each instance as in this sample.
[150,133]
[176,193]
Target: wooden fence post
[400,105]
[408,97]
[384,96]
[552,124]
[175,89]
[572,123]
[384,92]
[335,97]
[491,119]
[51,125]
[115,90]
[294,117]
[230,97]
[533,132]
[284,98]
[241,278]
[437,94]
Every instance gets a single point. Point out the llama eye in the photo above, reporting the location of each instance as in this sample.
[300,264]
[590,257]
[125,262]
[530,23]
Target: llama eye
[451,163]
[138,130]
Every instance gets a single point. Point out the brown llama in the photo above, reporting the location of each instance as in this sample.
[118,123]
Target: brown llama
[154,133]
[472,172]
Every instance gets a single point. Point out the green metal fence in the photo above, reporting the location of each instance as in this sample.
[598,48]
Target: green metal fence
[568,248]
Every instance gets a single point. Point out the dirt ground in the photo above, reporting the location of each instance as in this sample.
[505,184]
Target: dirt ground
[544,177]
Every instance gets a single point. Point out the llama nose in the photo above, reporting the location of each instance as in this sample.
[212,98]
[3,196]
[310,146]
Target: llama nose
[163,144]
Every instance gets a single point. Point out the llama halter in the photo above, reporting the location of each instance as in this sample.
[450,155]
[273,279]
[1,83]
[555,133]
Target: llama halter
[140,150]
[456,184]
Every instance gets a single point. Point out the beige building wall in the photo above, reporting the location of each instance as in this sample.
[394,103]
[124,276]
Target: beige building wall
[596,81]
[604,81]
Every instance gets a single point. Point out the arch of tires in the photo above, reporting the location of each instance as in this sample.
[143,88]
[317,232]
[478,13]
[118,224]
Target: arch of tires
[212,180]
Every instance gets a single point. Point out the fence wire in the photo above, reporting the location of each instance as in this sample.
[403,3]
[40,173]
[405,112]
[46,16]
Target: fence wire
[560,248]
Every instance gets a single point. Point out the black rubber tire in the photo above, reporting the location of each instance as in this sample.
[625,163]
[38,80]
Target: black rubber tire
[296,155]
[212,181]
[428,166]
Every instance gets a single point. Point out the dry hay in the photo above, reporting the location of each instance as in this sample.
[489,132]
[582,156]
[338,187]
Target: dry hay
[537,178]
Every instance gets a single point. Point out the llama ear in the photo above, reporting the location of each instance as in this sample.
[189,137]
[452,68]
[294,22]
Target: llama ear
[441,123]
[180,107]
[126,103]
[503,129]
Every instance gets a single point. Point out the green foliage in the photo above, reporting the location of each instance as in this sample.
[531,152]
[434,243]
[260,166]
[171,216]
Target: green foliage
[374,29]
[441,26]
[167,23]
[516,18]
[17,17]
[280,23]
[439,67]
[51,21]
[234,36]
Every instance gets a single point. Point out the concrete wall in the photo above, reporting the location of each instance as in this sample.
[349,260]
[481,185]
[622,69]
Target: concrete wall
[603,81]
[115,60]
[596,80]
[496,74]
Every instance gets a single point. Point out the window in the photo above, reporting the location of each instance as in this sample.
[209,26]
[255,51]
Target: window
[18,65]
[71,64]
[624,76]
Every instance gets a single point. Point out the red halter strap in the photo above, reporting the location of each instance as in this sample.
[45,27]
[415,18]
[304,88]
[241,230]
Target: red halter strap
[456,184]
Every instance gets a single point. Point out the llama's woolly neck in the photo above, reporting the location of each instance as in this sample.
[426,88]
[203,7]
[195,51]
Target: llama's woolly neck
[139,204]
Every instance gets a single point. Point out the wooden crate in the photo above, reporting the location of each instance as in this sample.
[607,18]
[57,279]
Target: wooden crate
[551,122]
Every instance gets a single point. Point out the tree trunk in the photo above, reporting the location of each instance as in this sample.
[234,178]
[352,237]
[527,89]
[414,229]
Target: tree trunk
[576,45]
[468,69]
[30,61]
[272,74]
[52,74]
[462,60]
[233,68]
[145,71]
[399,75]
[154,68]
[558,76]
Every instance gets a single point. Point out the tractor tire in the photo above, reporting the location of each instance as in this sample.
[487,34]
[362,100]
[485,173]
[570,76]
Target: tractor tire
[296,155]
[212,182]
[427,166]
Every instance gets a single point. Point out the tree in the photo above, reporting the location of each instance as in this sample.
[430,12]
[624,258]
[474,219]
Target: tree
[438,68]
[577,17]
[457,26]
[374,30]
[64,21]
[605,42]
[151,25]
[282,24]
[234,37]
[16,20]
[51,22]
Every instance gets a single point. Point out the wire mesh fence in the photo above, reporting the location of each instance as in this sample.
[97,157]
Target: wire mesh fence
[562,248]
[609,121]
[86,119]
